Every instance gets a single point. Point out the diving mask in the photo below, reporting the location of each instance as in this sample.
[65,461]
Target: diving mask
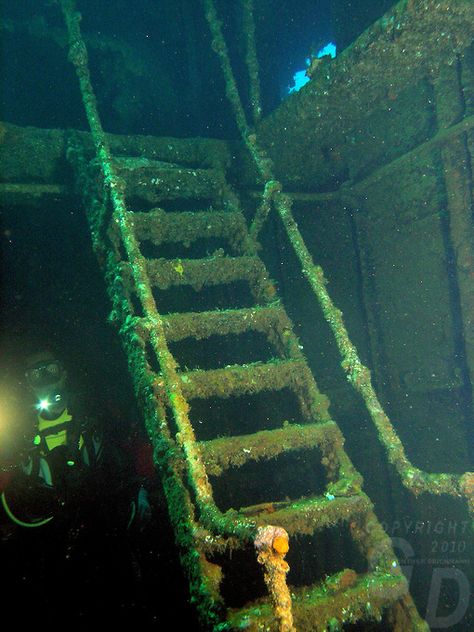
[44,374]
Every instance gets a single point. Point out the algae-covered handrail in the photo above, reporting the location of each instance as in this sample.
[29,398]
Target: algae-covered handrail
[248,27]
[358,375]
[210,515]
[220,47]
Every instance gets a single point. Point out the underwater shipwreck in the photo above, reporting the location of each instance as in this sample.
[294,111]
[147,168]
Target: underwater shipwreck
[320,268]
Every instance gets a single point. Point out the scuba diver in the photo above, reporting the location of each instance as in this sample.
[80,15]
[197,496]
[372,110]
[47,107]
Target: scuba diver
[58,446]
[64,459]
[74,497]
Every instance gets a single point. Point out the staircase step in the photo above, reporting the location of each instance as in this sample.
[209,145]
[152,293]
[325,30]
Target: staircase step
[345,597]
[307,515]
[183,152]
[155,182]
[239,379]
[226,452]
[200,325]
[186,227]
[166,273]
[131,163]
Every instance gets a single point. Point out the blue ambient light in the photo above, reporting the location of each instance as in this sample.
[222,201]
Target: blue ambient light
[329,49]
[300,78]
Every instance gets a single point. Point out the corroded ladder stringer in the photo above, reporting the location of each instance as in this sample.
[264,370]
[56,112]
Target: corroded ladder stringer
[166,454]
[248,27]
[358,375]
[211,516]
[220,47]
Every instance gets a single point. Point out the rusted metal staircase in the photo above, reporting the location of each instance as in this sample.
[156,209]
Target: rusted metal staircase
[344,596]
[145,214]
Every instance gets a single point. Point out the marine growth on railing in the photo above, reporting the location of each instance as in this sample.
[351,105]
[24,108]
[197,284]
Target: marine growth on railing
[357,374]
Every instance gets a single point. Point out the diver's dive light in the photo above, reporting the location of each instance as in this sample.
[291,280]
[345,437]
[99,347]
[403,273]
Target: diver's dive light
[45,403]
